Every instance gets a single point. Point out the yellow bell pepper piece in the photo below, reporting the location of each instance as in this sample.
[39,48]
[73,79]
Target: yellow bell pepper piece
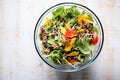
[59,43]
[83,18]
[67,26]
[63,30]
[70,44]
[81,30]
[74,53]
[48,22]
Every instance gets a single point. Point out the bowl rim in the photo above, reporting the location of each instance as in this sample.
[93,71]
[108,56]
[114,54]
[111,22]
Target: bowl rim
[102,33]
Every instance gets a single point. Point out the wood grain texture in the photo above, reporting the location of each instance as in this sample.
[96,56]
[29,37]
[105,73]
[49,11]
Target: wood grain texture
[1,39]
[19,59]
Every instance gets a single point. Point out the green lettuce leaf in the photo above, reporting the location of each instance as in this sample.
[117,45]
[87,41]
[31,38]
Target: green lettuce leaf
[95,29]
[58,12]
[51,40]
[62,12]
[55,57]
[85,48]
[72,21]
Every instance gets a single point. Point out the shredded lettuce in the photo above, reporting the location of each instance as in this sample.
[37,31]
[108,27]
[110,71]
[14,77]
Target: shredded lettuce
[51,40]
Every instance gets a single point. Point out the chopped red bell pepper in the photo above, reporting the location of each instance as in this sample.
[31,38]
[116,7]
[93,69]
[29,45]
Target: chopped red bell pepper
[72,60]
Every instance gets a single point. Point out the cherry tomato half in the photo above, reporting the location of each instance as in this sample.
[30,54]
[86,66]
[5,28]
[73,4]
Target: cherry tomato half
[94,39]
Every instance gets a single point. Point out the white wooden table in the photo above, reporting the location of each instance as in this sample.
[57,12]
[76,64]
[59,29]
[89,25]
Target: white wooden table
[19,59]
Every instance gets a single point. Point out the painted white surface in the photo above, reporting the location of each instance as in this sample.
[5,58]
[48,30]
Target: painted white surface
[19,59]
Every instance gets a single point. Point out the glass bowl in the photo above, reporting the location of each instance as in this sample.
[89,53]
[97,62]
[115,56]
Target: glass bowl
[96,51]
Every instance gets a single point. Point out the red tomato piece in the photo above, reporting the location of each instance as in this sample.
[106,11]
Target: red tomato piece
[72,60]
[70,33]
[94,39]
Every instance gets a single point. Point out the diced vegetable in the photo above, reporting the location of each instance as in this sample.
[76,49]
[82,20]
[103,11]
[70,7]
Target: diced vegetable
[67,26]
[63,30]
[94,39]
[74,53]
[81,30]
[70,33]
[70,44]
[48,22]
[59,43]
[83,18]
[72,60]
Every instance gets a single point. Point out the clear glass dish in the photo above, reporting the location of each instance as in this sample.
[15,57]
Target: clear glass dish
[66,68]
